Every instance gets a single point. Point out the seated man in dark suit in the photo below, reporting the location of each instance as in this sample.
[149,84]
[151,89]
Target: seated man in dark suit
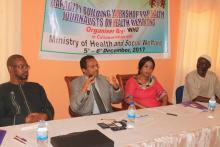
[22,101]
[93,93]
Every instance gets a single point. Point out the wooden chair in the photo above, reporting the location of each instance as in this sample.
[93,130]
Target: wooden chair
[68,80]
[122,79]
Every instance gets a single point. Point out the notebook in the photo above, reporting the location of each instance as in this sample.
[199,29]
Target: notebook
[2,135]
[90,138]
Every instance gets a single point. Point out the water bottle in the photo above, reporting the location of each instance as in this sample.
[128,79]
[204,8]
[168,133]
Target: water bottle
[212,103]
[42,134]
[131,115]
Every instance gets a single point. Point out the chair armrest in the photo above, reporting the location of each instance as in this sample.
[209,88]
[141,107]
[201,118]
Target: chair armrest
[169,103]
[73,114]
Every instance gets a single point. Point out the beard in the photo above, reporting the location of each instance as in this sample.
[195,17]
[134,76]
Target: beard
[23,77]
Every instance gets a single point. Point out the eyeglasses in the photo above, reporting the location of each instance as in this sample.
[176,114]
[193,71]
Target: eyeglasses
[93,66]
[22,67]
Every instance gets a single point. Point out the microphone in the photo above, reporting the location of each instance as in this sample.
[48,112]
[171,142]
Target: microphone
[12,94]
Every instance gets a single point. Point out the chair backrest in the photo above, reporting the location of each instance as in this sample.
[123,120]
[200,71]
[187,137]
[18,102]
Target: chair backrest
[179,94]
[68,80]
[122,79]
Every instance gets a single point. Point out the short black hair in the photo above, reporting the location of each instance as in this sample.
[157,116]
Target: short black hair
[12,58]
[143,61]
[83,63]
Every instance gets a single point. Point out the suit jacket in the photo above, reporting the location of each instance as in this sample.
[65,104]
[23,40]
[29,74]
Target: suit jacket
[83,102]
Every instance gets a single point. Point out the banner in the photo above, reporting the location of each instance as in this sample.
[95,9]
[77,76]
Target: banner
[107,29]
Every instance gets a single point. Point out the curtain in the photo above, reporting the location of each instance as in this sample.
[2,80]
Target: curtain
[199,33]
[10,11]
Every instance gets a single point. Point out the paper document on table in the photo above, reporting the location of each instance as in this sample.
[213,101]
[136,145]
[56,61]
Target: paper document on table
[31,127]
[194,105]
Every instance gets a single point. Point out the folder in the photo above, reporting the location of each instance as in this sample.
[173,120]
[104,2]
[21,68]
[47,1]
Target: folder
[2,135]
[90,138]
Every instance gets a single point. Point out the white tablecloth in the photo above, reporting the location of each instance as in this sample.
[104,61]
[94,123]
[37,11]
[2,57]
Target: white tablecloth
[191,128]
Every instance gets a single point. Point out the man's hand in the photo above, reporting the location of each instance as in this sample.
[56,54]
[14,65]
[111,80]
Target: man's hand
[129,100]
[35,117]
[113,81]
[87,83]
[164,100]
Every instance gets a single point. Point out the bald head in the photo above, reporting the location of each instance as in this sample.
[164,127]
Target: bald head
[11,60]
[18,69]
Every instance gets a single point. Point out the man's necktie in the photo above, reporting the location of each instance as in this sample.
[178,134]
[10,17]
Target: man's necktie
[98,99]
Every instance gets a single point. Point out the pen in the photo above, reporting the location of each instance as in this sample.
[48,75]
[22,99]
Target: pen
[110,119]
[21,141]
[172,114]
[142,116]
[21,138]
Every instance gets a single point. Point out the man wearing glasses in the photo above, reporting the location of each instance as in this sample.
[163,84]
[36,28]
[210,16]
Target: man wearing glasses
[22,101]
[93,93]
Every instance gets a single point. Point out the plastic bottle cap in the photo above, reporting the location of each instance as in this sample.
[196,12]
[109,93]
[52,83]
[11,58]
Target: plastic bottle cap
[131,103]
[129,96]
